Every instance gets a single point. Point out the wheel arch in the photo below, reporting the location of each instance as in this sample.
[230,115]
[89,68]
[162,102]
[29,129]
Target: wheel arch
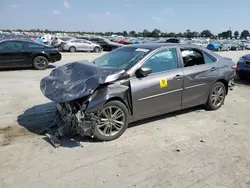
[225,84]
[109,93]
[116,98]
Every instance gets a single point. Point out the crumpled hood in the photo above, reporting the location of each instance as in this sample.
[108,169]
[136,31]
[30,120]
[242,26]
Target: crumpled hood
[246,57]
[76,80]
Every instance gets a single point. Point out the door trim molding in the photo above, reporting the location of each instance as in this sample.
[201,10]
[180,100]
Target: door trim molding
[193,86]
[160,94]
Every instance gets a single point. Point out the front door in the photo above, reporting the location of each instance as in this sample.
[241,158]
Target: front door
[11,54]
[161,91]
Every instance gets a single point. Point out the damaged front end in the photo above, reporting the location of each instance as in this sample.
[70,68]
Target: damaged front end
[72,87]
[71,119]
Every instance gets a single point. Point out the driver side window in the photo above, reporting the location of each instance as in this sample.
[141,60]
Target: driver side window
[163,60]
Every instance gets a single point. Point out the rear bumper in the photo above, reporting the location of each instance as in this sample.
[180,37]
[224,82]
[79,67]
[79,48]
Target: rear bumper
[245,73]
[243,67]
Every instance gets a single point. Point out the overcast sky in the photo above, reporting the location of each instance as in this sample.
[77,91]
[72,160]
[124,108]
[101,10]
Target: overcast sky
[119,15]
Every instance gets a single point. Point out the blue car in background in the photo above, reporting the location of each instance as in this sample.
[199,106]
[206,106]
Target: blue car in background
[219,45]
[213,46]
[243,67]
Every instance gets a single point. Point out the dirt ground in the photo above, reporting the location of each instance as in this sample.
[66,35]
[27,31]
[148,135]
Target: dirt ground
[191,148]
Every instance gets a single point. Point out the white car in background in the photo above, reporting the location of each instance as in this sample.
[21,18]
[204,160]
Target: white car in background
[75,45]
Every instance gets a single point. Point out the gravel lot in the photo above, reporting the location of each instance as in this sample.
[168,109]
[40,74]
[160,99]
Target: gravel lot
[190,148]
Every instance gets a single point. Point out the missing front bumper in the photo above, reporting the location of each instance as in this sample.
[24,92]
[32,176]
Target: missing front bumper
[71,120]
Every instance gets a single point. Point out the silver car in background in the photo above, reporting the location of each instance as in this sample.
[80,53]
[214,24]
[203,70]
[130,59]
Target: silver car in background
[74,45]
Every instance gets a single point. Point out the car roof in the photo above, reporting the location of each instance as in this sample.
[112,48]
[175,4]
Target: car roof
[17,39]
[153,46]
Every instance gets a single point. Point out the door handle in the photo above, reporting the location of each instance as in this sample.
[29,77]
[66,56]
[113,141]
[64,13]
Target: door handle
[213,69]
[177,77]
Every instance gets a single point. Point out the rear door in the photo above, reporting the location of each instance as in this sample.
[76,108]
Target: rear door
[87,46]
[160,91]
[78,44]
[199,76]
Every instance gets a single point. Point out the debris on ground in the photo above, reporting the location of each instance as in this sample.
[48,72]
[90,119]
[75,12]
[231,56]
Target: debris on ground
[202,141]
[178,150]
[201,110]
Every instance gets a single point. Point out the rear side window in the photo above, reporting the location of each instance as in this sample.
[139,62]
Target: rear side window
[163,60]
[11,45]
[33,45]
[77,41]
[209,58]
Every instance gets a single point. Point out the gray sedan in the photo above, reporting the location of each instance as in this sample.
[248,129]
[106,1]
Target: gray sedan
[74,45]
[134,82]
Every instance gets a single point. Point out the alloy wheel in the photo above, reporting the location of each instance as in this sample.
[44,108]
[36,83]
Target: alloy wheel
[218,96]
[112,120]
[41,62]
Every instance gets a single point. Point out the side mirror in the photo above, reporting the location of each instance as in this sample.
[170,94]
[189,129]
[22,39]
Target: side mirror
[143,72]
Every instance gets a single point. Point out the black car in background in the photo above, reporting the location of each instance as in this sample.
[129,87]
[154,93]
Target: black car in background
[106,44]
[26,53]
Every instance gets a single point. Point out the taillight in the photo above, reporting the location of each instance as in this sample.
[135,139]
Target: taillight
[234,67]
[64,43]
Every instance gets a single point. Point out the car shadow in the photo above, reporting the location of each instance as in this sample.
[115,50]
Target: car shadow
[23,68]
[37,118]
[167,115]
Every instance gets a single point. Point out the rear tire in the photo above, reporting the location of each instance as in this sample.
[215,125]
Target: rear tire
[216,96]
[40,63]
[108,129]
[72,49]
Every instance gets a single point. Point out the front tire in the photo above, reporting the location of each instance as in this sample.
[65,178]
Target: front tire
[40,63]
[216,96]
[113,123]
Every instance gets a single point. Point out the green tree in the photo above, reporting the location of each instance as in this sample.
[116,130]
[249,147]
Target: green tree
[172,34]
[195,34]
[132,34]
[236,34]
[244,34]
[146,33]
[179,35]
[226,34]
[206,33]
[125,33]
[156,33]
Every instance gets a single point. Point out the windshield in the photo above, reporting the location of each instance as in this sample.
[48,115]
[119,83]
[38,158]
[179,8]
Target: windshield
[124,58]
